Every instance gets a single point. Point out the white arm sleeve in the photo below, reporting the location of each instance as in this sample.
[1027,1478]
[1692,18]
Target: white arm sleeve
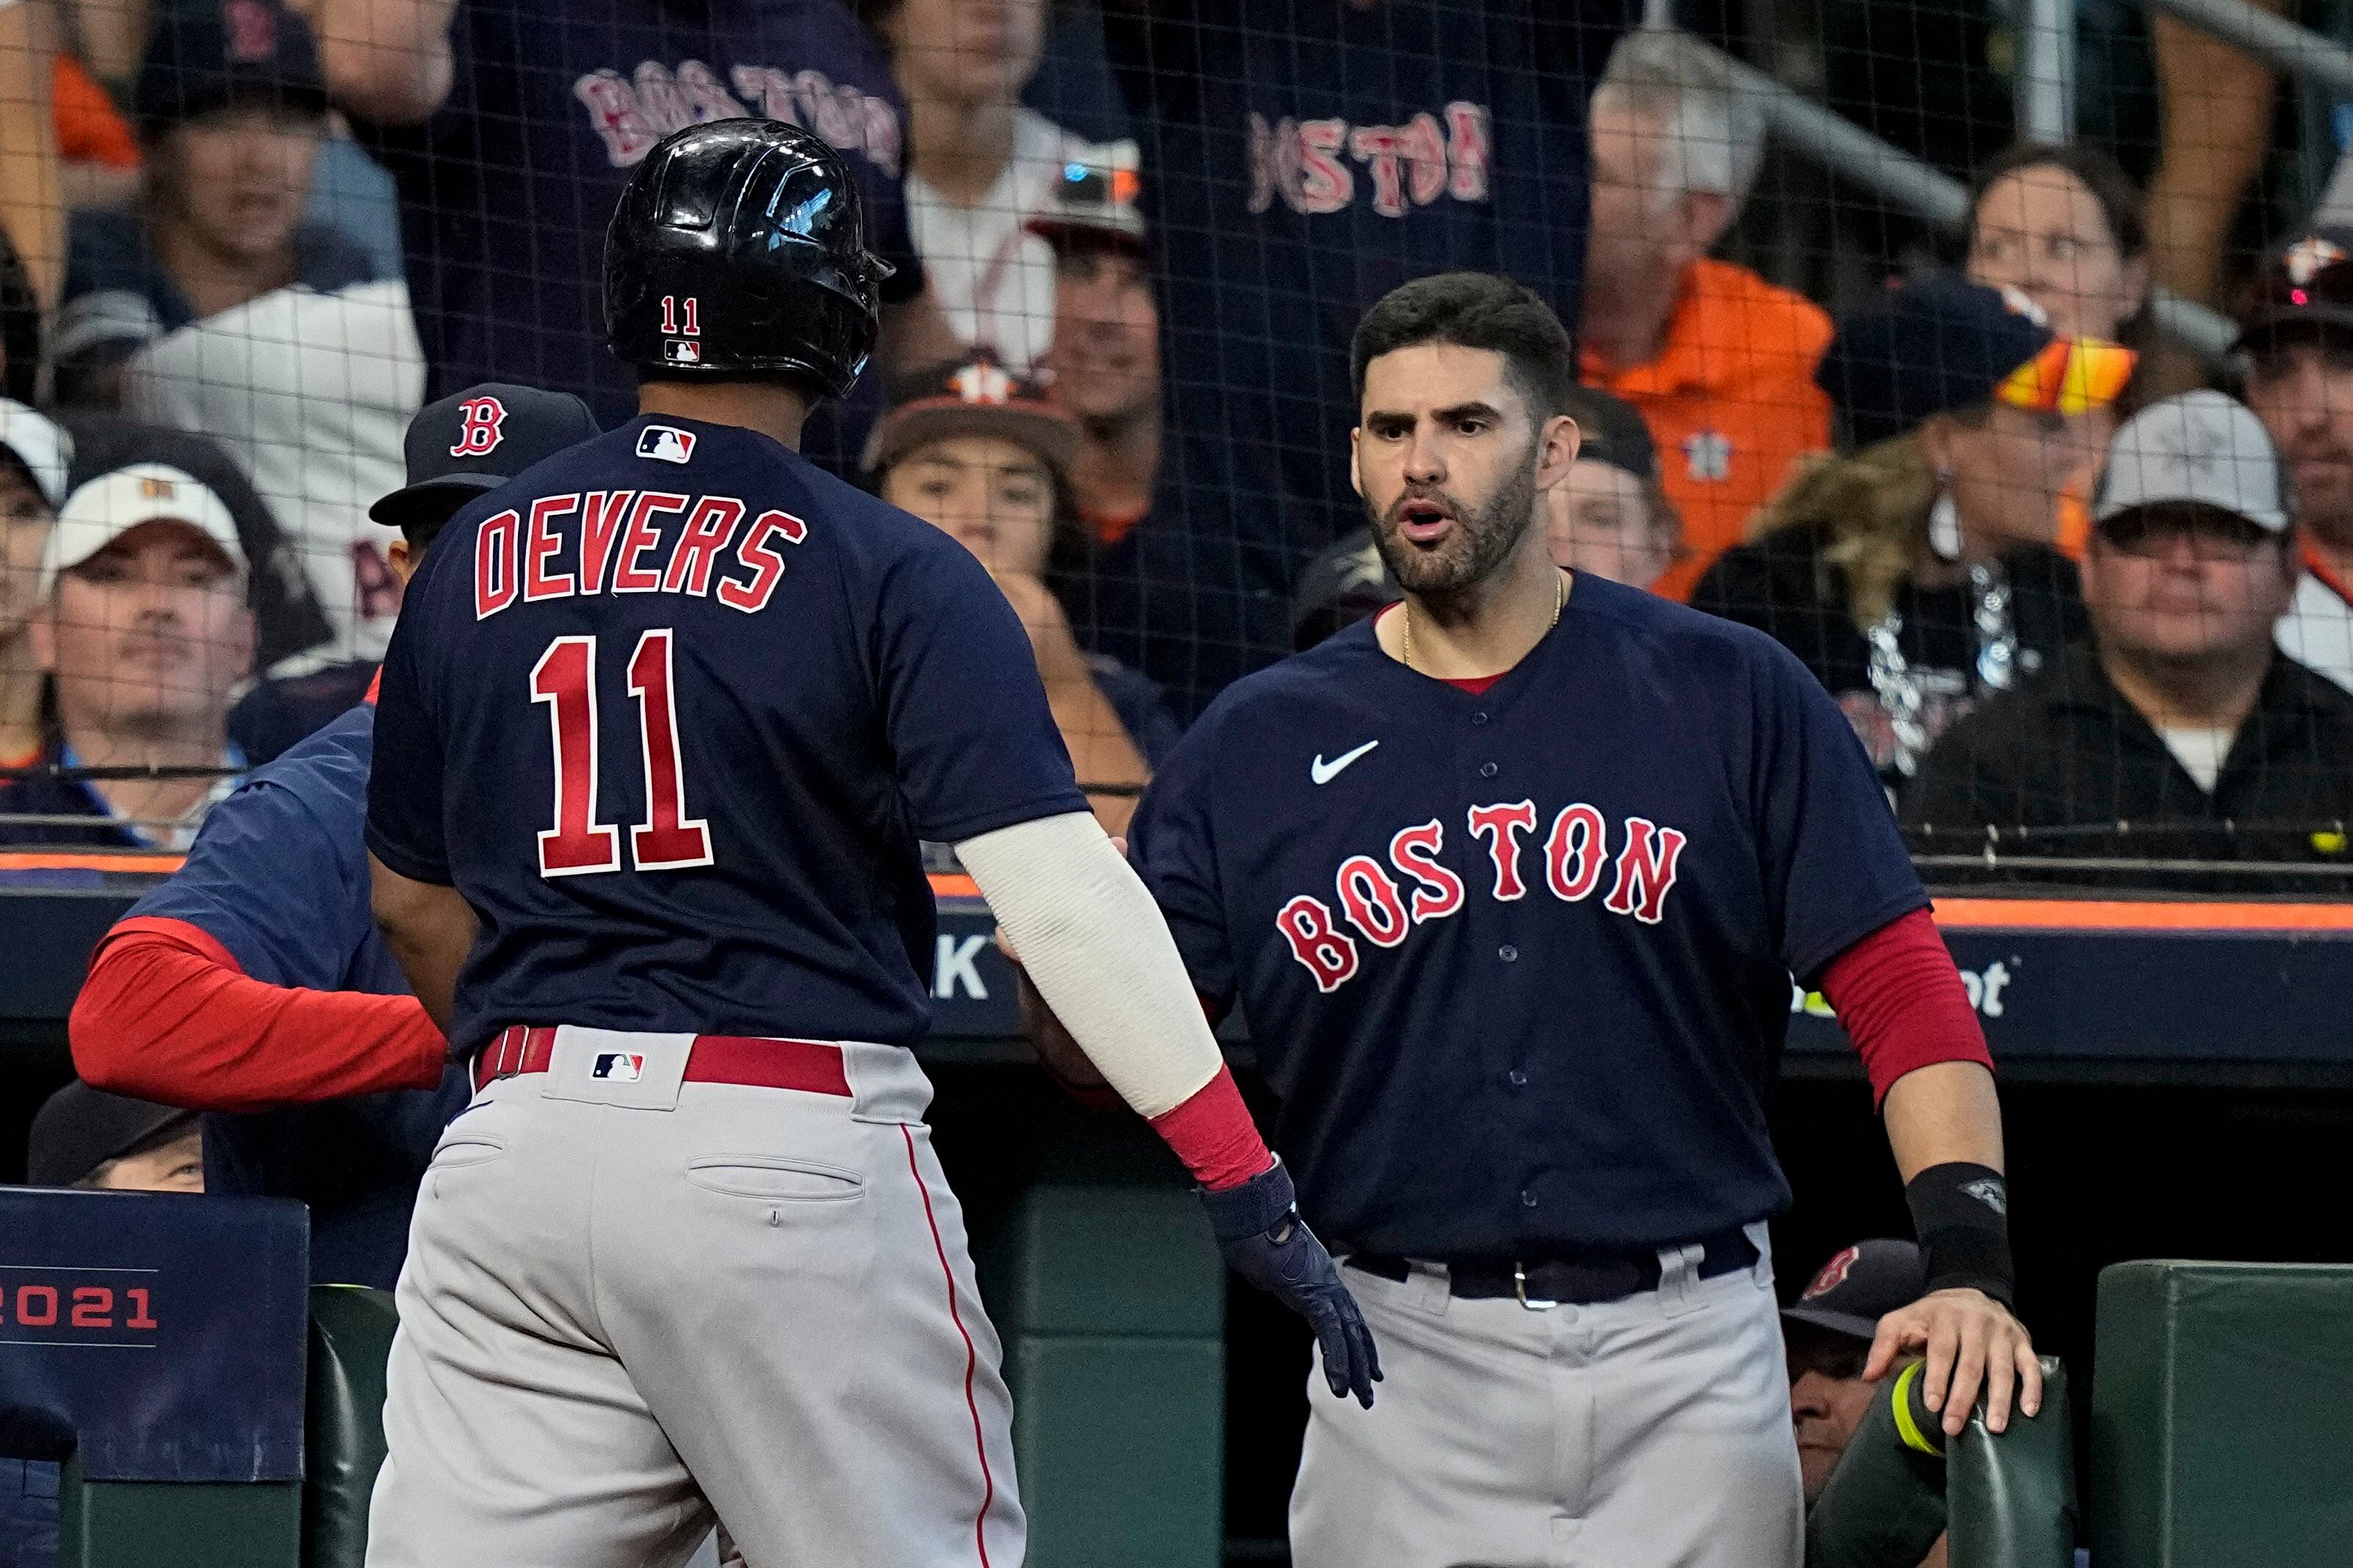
[1096,948]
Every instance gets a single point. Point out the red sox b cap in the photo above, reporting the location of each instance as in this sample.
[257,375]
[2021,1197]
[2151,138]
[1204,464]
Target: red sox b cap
[477,440]
[1859,1286]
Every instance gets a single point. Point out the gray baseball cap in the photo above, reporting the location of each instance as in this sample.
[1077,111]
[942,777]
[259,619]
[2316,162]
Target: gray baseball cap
[2200,447]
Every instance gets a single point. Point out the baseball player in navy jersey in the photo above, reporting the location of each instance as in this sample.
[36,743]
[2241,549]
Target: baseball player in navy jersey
[253,984]
[660,734]
[1511,882]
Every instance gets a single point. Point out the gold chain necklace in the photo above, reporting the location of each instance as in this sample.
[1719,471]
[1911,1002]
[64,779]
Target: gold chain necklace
[1559,603]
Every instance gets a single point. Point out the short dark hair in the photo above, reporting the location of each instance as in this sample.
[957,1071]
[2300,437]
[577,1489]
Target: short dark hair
[2120,201]
[1474,310]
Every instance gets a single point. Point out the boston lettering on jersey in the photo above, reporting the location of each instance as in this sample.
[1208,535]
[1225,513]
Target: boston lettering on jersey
[1576,858]
[632,112]
[1305,162]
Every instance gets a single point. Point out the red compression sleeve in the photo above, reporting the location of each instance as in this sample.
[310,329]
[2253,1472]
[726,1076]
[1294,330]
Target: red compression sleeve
[1901,1001]
[1212,1132]
[167,1014]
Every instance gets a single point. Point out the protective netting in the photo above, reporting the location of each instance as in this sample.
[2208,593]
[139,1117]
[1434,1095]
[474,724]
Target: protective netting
[1995,358]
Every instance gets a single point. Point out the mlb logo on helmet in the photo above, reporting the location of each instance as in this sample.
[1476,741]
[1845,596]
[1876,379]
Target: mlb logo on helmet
[679,351]
[665,444]
[619,1067]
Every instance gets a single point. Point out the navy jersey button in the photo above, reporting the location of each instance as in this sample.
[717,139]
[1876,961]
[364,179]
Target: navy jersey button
[1508,953]
[1486,770]
[1519,1079]
[1478,718]
[1528,1199]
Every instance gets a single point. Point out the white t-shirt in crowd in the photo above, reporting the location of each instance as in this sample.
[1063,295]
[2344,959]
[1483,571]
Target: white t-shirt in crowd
[309,387]
[2318,630]
[995,279]
[2199,749]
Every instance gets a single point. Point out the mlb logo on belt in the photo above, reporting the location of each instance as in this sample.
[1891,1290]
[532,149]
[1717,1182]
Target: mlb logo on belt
[619,1067]
[665,444]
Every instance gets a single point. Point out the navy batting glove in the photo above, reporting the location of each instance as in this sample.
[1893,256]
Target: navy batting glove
[1264,1240]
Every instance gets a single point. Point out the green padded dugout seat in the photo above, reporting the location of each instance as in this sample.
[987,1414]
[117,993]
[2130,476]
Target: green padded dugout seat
[2218,1415]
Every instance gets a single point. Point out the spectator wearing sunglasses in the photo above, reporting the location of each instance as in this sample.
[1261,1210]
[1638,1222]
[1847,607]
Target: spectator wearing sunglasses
[1917,573]
[2179,717]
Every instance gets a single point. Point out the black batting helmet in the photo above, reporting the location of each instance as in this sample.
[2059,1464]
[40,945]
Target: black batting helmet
[739,249]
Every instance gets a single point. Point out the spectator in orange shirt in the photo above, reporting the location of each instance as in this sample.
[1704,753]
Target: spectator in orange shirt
[1719,361]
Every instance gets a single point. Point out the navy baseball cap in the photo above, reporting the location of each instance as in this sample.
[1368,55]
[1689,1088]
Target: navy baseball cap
[1859,1286]
[1937,344]
[212,54]
[2303,289]
[79,1128]
[477,440]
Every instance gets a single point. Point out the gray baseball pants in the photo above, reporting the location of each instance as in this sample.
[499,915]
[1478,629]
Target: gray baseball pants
[630,1310]
[1647,1432]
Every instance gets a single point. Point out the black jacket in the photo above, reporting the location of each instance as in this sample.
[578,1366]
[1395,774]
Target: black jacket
[1781,585]
[2067,767]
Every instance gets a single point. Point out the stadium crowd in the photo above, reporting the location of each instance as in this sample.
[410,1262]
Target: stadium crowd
[2059,584]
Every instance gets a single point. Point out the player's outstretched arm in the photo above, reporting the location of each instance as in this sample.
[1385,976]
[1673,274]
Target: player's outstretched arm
[1095,946]
[429,928]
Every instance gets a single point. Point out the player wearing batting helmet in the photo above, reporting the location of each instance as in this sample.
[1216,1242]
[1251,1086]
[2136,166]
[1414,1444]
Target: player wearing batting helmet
[1510,881]
[662,731]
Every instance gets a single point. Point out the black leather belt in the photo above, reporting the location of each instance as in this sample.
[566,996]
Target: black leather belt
[1582,1281]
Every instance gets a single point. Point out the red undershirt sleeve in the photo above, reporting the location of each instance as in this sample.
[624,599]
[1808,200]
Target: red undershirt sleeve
[168,1014]
[1213,1134]
[1900,1001]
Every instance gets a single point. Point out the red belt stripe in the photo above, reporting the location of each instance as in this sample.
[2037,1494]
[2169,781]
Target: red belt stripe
[813,1066]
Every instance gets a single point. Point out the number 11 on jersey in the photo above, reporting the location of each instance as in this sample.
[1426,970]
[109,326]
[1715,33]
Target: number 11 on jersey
[668,840]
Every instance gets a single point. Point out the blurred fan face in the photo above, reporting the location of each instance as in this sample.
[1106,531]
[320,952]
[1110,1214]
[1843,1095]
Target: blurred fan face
[24,523]
[994,496]
[2304,395]
[1446,461]
[1640,229]
[238,178]
[1825,1409]
[2008,473]
[967,51]
[2040,230]
[174,1166]
[1599,519]
[151,632]
[1106,354]
[2185,584]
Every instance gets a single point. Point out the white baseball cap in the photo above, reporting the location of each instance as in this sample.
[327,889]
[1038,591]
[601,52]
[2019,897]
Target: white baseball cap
[112,505]
[2199,446]
[46,451]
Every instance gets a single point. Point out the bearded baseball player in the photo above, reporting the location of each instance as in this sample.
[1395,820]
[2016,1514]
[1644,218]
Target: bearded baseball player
[661,730]
[1510,882]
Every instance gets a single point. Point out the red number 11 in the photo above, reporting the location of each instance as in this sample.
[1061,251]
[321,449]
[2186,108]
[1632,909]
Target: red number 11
[669,839]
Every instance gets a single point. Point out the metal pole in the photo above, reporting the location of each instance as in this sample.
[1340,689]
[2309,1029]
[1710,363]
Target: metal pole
[1855,154]
[2270,38]
[2046,71]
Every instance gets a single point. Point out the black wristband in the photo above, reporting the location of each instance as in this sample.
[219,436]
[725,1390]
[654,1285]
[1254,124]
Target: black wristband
[1961,1213]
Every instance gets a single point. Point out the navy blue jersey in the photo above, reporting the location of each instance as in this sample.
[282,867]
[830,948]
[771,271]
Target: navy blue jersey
[672,711]
[1297,166]
[505,194]
[1518,964]
[278,877]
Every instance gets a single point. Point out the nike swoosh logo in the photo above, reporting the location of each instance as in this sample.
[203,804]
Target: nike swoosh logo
[1324,773]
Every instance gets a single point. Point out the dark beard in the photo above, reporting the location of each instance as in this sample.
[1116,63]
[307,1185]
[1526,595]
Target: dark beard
[1481,541]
